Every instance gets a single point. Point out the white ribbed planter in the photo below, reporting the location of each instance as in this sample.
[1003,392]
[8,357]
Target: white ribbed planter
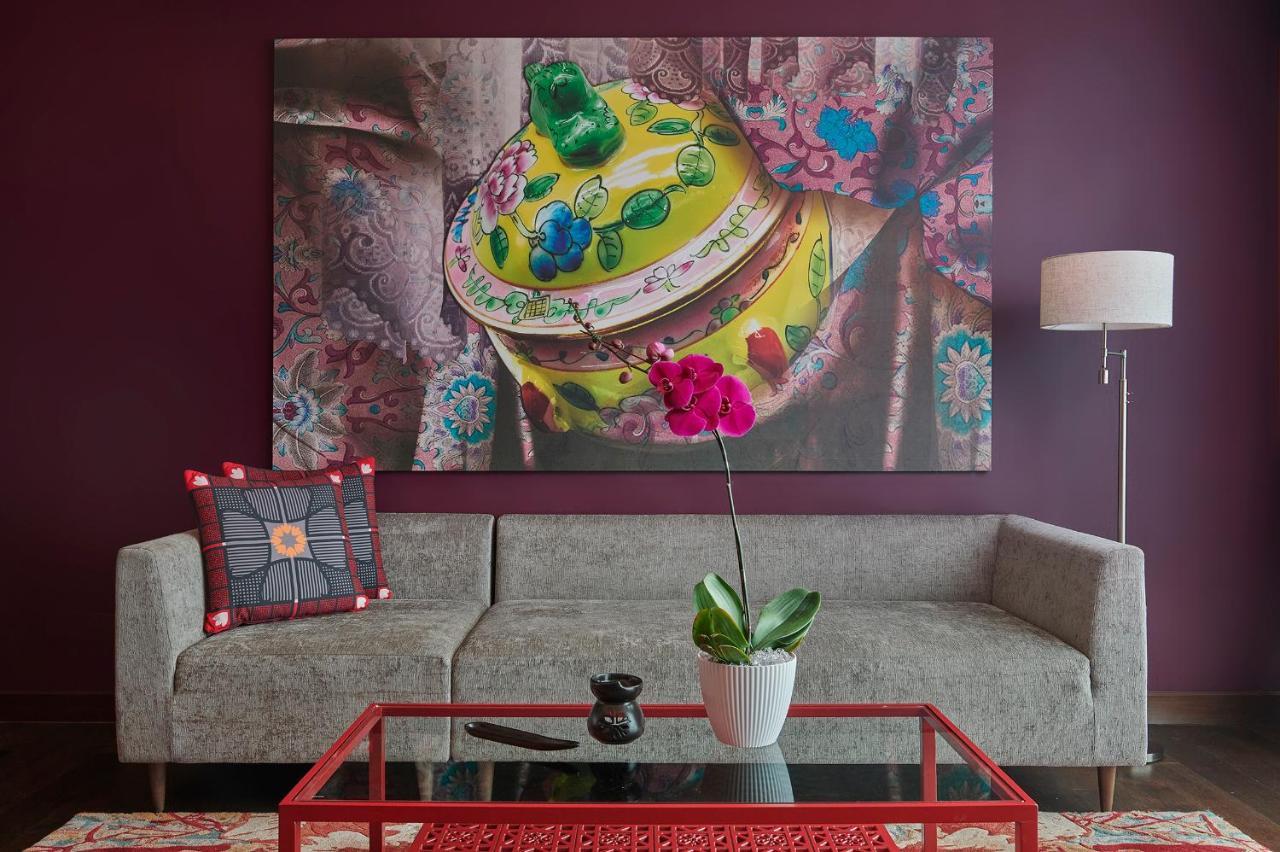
[747,705]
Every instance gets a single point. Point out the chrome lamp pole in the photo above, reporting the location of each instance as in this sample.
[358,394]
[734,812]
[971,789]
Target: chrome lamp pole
[1122,484]
[1110,291]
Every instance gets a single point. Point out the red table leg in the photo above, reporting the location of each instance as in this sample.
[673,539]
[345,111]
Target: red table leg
[1025,838]
[928,780]
[287,834]
[377,781]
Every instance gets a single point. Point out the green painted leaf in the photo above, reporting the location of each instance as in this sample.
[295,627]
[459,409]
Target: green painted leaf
[499,245]
[695,165]
[641,112]
[646,209]
[538,187]
[798,336]
[713,592]
[718,111]
[817,269]
[609,249]
[578,396]
[721,135]
[671,126]
[786,616]
[590,199]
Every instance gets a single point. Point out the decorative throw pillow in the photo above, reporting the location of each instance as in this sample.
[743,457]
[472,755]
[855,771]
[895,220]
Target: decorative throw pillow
[361,511]
[273,551]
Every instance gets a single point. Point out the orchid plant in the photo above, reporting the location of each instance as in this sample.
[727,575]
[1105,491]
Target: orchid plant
[700,397]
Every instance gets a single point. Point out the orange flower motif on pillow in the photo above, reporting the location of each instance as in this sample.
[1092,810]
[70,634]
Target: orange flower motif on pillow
[288,540]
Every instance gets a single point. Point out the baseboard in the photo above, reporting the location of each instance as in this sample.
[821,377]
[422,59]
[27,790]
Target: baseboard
[57,707]
[1212,708]
[1163,708]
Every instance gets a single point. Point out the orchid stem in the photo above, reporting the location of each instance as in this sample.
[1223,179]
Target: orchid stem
[737,537]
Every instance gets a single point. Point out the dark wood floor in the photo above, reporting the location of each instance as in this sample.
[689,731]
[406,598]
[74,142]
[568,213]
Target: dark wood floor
[50,771]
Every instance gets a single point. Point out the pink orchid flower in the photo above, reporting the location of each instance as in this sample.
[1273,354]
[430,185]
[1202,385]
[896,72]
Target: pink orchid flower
[700,398]
[702,415]
[704,372]
[736,413]
[659,351]
[676,388]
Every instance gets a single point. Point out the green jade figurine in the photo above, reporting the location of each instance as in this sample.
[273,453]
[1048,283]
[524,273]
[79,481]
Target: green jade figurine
[565,108]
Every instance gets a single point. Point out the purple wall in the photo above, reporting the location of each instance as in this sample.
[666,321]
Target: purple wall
[136,176]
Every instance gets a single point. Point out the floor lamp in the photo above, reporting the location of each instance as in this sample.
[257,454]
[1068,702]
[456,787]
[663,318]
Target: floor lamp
[1110,291]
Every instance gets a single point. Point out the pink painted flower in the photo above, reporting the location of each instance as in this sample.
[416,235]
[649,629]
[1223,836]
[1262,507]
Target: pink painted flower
[736,412]
[664,277]
[502,187]
[461,255]
[701,415]
[640,92]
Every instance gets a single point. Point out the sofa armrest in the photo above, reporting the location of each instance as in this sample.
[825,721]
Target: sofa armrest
[159,614]
[1089,592]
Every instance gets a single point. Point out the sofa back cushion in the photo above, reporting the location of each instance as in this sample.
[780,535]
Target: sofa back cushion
[661,557]
[438,556]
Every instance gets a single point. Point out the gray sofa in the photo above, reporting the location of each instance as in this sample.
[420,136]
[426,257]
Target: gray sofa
[1030,636]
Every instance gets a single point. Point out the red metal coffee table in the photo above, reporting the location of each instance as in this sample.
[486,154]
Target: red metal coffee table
[675,788]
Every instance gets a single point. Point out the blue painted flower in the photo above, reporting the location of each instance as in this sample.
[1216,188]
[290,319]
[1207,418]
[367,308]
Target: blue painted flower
[353,191]
[468,408]
[849,136]
[464,214]
[895,194]
[930,204]
[963,381]
[560,239]
[306,412]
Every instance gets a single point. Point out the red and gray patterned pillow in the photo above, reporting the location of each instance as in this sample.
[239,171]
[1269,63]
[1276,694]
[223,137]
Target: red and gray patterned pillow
[274,551]
[361,511]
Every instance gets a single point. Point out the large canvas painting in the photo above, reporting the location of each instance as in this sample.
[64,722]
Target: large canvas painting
[814,212]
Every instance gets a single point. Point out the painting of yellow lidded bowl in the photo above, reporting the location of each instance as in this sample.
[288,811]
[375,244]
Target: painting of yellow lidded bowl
[658,221]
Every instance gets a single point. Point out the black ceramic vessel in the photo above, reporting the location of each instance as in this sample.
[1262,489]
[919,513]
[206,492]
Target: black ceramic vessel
[616,718]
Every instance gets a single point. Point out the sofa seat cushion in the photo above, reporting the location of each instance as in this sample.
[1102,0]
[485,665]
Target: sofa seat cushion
[284,691]
[999,678]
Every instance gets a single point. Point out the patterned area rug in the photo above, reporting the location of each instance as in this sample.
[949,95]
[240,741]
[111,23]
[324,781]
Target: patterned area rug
[1059,832]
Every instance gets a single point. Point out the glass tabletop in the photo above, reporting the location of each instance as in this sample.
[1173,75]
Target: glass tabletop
[826,754]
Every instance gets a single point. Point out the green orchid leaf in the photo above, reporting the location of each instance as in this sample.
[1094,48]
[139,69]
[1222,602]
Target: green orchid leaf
[783,617]
[713,591]
[715,632]
[730,654]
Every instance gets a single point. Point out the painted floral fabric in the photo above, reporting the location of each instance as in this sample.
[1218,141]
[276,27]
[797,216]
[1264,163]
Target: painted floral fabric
[379,142]
[256,832]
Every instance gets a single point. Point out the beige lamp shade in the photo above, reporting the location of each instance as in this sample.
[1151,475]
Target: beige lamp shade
[1119,289]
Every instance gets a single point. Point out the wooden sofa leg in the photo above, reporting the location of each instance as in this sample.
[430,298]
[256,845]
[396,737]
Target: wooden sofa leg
[155,775]
[1106,787]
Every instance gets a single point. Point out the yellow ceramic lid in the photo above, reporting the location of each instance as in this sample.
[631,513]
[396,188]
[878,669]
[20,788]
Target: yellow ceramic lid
[613,197]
